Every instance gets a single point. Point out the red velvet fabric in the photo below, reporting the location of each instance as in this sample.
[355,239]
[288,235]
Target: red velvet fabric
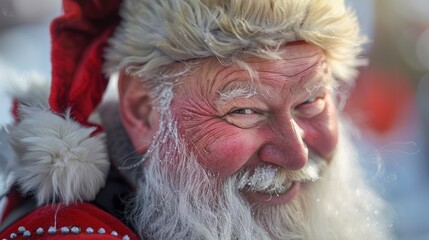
[82,215]
[13,200]
[15,111]
[78,39]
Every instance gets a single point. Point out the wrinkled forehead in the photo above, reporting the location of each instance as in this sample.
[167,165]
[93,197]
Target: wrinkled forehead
[294,58]
[299,68]
[293,61]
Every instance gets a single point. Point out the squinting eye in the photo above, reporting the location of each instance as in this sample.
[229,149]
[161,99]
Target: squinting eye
[244,117]
[311,107]
[244,111]
[309,100]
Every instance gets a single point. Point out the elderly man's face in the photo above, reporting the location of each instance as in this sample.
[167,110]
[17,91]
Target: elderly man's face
[267,140]
[232,122]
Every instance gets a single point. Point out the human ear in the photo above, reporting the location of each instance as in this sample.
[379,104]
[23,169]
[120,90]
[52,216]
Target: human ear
[137,112]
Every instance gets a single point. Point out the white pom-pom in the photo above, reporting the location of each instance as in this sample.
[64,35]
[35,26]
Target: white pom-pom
[58,159]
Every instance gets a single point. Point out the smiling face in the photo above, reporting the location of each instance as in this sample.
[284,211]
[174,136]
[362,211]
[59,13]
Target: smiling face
[227,156]
[232,122]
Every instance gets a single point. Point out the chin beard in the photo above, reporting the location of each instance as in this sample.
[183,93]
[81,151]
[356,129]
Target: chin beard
[178,199]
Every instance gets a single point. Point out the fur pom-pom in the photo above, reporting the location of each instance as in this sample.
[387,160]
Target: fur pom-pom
[58,159]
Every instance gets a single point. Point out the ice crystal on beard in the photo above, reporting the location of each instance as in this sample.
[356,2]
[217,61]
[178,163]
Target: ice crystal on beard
[261,178]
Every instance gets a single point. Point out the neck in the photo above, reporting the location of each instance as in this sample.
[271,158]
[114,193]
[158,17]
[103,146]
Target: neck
[122,154]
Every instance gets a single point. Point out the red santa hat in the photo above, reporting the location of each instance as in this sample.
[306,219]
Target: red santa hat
[61,154]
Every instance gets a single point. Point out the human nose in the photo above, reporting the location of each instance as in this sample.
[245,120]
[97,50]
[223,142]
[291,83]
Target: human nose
[285,147]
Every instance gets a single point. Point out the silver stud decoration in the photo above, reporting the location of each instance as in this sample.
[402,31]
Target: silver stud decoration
[89,230]
[26,234]
[65,230]
[75,230]
[23,232]
[40,231]
[52,230]
[21,229]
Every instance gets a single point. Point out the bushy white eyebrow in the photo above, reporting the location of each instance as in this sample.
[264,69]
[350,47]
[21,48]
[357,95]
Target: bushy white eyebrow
[324,82]
[315,88]
[237,91]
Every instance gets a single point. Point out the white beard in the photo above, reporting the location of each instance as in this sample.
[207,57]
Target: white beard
[189,203]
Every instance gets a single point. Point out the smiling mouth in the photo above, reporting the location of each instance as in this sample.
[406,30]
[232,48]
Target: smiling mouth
[270,180]
[272,190]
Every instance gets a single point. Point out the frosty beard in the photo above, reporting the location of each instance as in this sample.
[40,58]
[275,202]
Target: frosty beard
[179,199]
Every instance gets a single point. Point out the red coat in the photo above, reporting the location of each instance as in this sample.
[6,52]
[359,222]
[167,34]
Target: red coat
[78,221]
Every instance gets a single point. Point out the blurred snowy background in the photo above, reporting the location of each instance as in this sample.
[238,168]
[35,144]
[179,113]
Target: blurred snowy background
[390,102]
[24,42]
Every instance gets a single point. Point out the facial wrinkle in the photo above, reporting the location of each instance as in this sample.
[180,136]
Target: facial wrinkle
[211,133]
[306,78]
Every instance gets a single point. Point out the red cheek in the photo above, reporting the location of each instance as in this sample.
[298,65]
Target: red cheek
[321,132]
[227,152]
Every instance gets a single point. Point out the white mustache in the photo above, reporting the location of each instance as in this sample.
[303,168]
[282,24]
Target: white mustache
[272,179]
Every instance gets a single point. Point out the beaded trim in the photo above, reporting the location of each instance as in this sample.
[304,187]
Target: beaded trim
[22,231]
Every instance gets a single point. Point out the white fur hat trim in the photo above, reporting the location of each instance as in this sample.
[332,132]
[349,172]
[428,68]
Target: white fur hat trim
[153,34]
